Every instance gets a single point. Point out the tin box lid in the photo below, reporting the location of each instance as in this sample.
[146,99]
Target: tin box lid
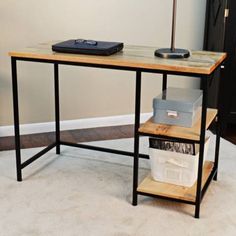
[178,99]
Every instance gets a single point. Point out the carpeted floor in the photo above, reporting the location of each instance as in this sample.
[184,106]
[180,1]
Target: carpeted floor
[87,193]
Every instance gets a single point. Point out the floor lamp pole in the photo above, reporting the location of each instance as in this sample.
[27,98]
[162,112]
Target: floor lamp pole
[173,26]
[172,52]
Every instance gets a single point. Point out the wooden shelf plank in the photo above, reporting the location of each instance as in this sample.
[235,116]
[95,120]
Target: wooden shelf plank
[200,62]
[192,133]
[151,186]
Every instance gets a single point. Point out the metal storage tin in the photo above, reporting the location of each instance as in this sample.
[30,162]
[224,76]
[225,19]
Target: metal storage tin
[177,106]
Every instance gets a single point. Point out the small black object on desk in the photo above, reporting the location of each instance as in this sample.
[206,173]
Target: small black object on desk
[91,47]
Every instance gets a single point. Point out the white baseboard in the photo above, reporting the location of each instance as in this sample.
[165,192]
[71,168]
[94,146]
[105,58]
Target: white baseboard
[73,124]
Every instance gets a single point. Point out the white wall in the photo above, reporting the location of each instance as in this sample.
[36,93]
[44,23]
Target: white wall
[92,92]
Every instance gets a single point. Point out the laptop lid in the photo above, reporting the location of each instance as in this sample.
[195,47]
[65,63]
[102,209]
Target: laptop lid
[92,47]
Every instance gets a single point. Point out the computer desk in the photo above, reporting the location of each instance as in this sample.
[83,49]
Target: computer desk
[138,59]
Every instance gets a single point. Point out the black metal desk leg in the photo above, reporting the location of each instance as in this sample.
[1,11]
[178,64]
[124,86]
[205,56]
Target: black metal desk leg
[217,147]
[57,107]
[136,137]
[202,143]
[16,119]
[218,125]
[164,81]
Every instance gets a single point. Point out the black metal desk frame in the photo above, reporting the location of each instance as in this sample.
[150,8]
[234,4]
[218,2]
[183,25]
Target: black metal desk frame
[205,81]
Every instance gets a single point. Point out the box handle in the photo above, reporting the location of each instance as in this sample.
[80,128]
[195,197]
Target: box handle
[176,163]
[172,114]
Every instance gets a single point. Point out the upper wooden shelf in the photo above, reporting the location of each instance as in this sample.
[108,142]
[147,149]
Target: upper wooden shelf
[142,57]
[192,133]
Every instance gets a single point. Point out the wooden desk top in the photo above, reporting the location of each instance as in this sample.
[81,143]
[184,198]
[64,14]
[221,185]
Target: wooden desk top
[200,62]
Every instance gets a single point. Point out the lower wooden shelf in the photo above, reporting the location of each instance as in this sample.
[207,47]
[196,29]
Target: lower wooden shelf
[151,186]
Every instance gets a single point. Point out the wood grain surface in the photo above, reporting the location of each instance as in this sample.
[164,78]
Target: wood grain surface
[200,62]
[151,186]
[192,133]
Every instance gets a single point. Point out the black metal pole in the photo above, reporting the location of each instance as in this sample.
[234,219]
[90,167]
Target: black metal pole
[102,149]
[16,118]
[173,26]
[164,81]
[202,144]
[37,155]
[217,146]
[136,137]
[218,124]
[57,107]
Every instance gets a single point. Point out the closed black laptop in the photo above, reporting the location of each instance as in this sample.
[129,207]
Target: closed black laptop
[82,46]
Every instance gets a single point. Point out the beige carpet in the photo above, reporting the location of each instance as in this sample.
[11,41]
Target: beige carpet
[88,193]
